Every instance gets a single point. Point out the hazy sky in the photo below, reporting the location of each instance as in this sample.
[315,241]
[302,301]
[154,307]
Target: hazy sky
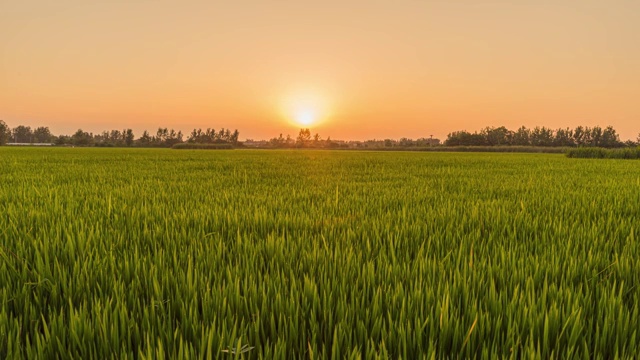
[364,69]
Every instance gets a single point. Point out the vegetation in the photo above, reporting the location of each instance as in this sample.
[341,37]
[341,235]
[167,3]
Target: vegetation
[195,146]
[210,136]
[306,140]
[505,148]
[600,153]
[164,137]
[152,253]
[499,139]
[539,136]
[5,133]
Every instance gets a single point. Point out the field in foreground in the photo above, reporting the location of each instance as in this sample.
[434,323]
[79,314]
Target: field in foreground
[119,253]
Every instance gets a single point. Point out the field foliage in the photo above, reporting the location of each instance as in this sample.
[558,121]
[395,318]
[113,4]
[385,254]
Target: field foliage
[197,146]
[600,153]
[156,253]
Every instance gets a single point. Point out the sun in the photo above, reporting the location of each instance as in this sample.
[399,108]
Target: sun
[305,116]
[305,108]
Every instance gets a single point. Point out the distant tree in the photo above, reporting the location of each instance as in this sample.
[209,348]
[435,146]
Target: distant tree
[102,139]
[62,140]
[5,133]
[579,136]
[587,139]
[465,138]
[405,142]
[22,134]
[563,137]
[129,137]
[210,136]
[172,137]
[303,137]
[115,138]
[328,143]
[42,135]
[82,138]
[234,137]
[424,142]
[477,139]
[542,136]
[521,137]
[161,136]
[610,138]
[277,142]
[596,136]
[497,136]
[145,139]
[193,137]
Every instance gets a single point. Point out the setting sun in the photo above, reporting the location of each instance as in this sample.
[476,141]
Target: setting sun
[305,116]
[305,108]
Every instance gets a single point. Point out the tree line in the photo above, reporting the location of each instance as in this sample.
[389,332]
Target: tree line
[306,140]
[163,137]
[581,136]
[490,136]
[303,140]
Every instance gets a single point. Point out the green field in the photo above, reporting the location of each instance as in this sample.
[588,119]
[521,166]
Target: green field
[123,253]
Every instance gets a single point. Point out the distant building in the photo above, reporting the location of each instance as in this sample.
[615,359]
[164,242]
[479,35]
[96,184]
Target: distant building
[29,144]
[256,143]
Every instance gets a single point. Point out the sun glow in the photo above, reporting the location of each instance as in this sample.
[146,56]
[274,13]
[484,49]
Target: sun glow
[305,116]
[305,109]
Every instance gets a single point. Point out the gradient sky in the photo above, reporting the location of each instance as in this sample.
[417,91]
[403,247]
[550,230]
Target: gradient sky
[368,69]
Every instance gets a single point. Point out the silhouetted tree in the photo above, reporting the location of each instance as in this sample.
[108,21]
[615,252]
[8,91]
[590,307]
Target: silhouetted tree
[541,136]
[596,136]
[145,139]
[22,134]
[82,138]
[522,137]
[62,140]
[5,133]
[497,136]
[563,137]
[587,139]
[303,137]
[610,138]
[173,138]
[464,138]
[129,137]
[278,142]
[579,136]
[234,137]
[42,135]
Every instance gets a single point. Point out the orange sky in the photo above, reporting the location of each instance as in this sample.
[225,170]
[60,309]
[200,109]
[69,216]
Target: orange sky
[366,69]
